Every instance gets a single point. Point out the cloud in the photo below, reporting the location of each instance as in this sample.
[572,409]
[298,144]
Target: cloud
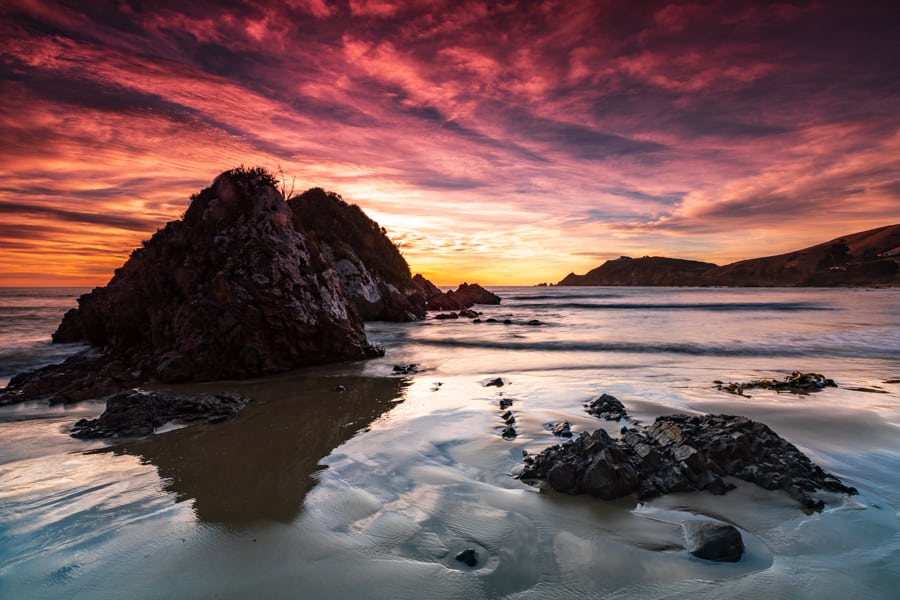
[516,133]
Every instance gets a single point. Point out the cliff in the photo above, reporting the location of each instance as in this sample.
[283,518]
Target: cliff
[866,258]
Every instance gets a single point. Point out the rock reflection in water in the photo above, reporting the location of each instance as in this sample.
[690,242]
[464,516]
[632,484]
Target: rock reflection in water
[261,465]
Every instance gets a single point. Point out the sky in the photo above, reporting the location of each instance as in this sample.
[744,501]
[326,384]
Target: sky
[506,142]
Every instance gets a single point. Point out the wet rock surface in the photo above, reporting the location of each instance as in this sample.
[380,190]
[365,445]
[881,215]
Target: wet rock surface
[373,274]
[606,407]
[711,540]
[797,383]
[681,453]
[136,413]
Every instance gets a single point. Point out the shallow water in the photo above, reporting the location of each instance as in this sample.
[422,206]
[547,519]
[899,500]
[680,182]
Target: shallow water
[371,491]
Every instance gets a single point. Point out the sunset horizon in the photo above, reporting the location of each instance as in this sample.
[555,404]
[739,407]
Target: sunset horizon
[508,144]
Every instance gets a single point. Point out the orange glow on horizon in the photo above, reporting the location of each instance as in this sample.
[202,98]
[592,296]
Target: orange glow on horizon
[693,131]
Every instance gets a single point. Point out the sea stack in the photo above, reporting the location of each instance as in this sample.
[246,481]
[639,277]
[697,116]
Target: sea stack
[237,288]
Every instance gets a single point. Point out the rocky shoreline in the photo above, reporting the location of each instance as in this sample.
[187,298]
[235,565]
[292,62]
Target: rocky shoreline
[678,453]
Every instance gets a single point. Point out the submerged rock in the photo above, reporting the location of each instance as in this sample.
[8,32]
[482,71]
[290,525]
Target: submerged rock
[711,540]
[135,413]
[681,453]
[797,382]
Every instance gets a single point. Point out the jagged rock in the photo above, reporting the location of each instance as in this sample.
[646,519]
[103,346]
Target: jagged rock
[445,316]
[606,407]
[468,313]
[711,540]
[83,376]
[425,287]
[464,296]
[796,382]
[496,382]
[135,413]
[509,432]
[409,369]
[232,290]
[681,453]
[505,403]
[373,274]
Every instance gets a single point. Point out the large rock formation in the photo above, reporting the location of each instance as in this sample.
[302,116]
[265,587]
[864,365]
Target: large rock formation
[859,259]
[234,289]
[681,453]
[373,273]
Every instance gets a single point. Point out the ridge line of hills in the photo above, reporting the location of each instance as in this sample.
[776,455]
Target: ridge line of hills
[864,258]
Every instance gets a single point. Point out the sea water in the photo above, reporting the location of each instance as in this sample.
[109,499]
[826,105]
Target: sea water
[350,481]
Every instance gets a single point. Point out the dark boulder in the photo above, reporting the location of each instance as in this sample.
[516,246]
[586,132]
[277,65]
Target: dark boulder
[135,413]
[681,453]
[468,557]
[606,407]
[711,540]
[465,296]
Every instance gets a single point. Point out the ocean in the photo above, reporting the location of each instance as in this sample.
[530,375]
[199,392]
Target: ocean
[370,489]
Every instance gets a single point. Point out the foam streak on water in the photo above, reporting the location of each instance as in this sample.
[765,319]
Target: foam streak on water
[370,492]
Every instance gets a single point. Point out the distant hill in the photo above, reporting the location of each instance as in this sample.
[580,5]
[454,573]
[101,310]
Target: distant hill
[859,259]
[650,270]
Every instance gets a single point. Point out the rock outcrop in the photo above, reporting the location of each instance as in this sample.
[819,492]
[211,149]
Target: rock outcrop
[135,413]
[465,296]
[371,270]
[232,290]
[681,453]
[649,270]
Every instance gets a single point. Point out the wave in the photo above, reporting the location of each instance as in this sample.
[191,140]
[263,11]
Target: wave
[710,306]
[694,349]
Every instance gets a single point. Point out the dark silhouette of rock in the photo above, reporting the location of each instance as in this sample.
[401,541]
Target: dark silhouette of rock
[606,407]
[468,557]
[496,382]
[465,296]
[680,453]
[425,287]
[860,259]
[711,540]
[232,290]
[372,272]
[135,413]
[410,369]
[796,382]
[446,316]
